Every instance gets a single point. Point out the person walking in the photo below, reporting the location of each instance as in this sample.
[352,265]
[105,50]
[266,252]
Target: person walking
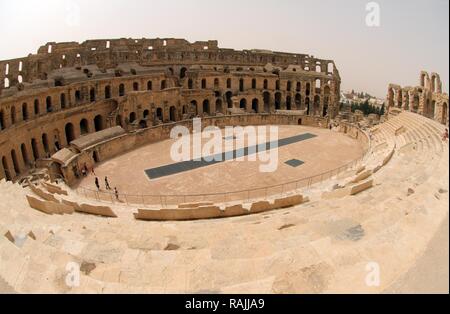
[116,193]
[97,184]
[107,184]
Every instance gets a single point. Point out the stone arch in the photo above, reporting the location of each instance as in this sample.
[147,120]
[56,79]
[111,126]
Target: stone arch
[84,127]
[13,114]
[149,85]
[316,105]
[15,162]
[183,73]
[48,104]
[159,114]
[243,104]
[307,105]
[416,102]
[219,107]
[228,97]
[62,100]
[132,117]
[206,107]
[228,83]
[407,100]
[119,120]
[5,166]
[24,111]
[444,113]
[107,92]
[255,105]
[56,140]
[2,120]
[266,84]
[146,114]
[135,86]
[194,107]
[34,149]
[288,103]
[298,101]
[277,101]
[266,100]
[399,98]
[121,90]
[253,83]
[241,85]
[308,89]
[98,123]
[288,86]
[45,143]
[25,158]
[173,114]
[390,97]
[36,107]
[95,156]
[70,133]
[92,95]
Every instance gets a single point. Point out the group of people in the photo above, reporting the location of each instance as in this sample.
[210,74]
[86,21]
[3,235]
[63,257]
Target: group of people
[85,171]
[107,187]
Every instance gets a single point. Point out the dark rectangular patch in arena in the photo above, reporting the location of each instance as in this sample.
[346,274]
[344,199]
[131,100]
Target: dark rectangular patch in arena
[294,163]
[184,166]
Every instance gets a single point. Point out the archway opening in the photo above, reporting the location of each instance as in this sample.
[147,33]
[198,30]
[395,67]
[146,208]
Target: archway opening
[25,158]
[15,162]
[243,104]
[255,105]
[34,149]
[98,123]
[159,114]
[173,114]
[266,99]
[70,133]
[206,106]
[84,128]
[45,144]
[132,117]
[8,175]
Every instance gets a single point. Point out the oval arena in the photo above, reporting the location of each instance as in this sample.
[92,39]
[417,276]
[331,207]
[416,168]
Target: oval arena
[346,191]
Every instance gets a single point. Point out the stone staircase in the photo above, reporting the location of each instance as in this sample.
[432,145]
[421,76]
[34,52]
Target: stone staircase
[323,246]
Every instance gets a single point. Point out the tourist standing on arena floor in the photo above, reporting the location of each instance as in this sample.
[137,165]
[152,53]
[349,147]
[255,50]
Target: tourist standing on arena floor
[107,184]
[116,193]
[97,184]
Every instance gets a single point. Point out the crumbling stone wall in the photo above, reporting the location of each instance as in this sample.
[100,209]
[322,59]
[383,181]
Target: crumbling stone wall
[426,99]
[68,90]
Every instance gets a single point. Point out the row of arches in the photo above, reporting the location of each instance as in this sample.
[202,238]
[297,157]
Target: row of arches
[23,157]
[81,95]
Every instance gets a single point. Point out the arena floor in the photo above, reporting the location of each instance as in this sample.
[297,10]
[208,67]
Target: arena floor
[325,150]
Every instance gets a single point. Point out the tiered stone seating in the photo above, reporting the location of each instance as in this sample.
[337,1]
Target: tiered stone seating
[323,245]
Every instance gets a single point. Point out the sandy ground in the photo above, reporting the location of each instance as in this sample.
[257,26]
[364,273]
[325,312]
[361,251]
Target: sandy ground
[5,288]
[430,274]
[328,151]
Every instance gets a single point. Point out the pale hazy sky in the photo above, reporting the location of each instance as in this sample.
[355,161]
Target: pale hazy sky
[413,34]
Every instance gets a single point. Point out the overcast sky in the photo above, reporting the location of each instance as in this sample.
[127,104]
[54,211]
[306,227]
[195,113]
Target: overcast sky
[413,34]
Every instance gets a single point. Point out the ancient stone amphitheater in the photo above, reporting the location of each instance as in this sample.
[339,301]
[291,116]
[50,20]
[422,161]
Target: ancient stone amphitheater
[73,105]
